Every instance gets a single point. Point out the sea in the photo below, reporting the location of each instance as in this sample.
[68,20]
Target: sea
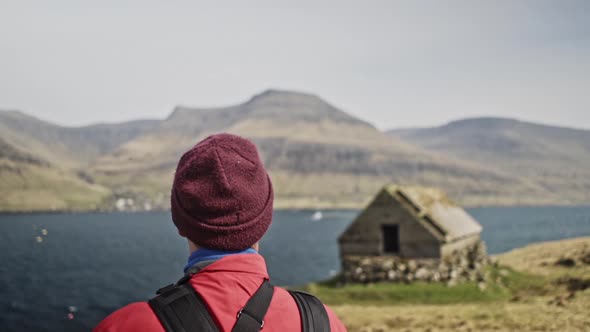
[66,272]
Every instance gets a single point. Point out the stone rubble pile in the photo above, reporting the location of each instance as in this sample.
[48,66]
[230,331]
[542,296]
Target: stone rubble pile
[464,265]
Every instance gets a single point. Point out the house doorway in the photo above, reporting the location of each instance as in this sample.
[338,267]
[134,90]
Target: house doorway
[390,239]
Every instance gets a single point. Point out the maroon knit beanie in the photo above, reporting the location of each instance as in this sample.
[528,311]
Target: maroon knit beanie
[222,196]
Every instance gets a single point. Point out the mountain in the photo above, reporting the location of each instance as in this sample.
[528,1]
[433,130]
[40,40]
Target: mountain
[41,164]
[318,156]
[64,145]
[67,146]
[555,158]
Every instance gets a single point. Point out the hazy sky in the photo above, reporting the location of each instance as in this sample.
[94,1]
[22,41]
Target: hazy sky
[392,63]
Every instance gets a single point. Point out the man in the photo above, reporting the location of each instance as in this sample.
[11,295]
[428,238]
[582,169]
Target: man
[222,203]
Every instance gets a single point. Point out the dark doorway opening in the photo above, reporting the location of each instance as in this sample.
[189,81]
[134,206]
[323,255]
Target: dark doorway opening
[390,239]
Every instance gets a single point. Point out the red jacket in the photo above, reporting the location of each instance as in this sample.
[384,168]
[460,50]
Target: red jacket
[225,285]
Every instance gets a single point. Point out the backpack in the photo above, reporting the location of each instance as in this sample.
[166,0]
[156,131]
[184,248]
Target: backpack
[181,309]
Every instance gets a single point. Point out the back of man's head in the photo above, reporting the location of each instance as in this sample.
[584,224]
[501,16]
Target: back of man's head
[222,197]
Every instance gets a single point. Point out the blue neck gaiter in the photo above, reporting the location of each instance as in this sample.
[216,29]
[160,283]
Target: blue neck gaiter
[204,254]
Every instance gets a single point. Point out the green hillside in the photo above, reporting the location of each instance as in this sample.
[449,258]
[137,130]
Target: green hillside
[29,184]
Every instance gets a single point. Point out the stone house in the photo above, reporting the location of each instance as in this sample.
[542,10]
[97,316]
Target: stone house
[410,222]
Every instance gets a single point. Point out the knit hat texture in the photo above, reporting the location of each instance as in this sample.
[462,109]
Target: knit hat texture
[222,197]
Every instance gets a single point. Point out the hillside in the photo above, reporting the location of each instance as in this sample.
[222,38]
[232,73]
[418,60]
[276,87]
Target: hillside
[41,164]
[556,159]
[318,155]
[66,146]
[28,183]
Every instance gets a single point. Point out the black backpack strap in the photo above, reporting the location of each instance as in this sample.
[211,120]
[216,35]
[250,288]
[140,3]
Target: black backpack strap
[181,309]
[314,317]
[251,316]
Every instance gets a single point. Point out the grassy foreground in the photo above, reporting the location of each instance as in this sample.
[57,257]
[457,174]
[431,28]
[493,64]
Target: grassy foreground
[526,291]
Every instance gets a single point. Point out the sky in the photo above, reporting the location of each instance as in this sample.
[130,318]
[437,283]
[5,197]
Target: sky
[391,63]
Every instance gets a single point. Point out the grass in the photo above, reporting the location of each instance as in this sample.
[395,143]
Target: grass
[519,283]
[540,258]
[40,188]
[513,301]
[399,294]
[533,315]
[525,293]
[505,283]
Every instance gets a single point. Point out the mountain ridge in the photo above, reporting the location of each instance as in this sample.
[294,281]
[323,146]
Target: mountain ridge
[318,156]
[497,119]
[557,158]
[82,143]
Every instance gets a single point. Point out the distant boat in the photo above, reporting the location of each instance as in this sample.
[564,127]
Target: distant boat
[317,216]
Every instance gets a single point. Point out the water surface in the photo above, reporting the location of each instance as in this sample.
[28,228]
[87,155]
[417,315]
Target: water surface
[98,262]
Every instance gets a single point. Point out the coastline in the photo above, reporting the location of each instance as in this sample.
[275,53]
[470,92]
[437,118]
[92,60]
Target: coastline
[310,208]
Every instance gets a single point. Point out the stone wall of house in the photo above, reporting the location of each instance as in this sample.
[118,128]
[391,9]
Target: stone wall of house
[364,236]
[466,264]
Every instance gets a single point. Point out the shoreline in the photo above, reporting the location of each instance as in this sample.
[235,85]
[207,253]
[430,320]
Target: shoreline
[294,209]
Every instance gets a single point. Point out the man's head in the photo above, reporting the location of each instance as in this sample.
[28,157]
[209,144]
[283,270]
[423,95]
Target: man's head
[222,197]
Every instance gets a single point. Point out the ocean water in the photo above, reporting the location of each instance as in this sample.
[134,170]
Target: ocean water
[65,272]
